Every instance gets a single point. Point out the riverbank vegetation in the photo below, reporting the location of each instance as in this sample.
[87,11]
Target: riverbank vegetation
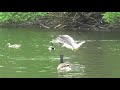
[73,20]
[112,17]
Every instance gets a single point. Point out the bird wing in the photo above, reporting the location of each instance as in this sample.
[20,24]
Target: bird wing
[66,39]
[67,46]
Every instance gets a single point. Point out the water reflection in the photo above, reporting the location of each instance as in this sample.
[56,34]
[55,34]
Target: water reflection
[71,75]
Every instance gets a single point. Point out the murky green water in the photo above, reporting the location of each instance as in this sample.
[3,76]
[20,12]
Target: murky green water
[100,55]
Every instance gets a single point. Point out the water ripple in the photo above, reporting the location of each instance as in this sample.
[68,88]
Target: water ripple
[42,71]
[71,75]
[102,40]
[1,66]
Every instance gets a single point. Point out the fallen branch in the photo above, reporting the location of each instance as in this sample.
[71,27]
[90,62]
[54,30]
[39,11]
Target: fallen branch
[45,26]
[58,26]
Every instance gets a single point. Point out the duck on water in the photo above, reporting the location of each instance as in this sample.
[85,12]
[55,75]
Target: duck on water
[63,67]
[16,46]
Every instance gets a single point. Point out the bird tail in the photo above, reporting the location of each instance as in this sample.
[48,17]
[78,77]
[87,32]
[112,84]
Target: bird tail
[78,46]
[81,43]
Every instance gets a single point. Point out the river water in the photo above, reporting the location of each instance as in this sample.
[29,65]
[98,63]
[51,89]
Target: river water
[99,56]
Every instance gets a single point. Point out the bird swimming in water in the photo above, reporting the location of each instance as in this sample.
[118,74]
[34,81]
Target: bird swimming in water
[16,46]
[50,48]
[68,42]
[63,67]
